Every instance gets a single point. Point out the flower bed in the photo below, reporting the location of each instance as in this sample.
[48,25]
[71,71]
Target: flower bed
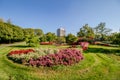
[63,57]
[23,56]
[46,57]
[46,43]
[21,51]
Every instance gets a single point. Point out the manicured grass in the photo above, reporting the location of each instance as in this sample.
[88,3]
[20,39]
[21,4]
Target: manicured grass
[96,66]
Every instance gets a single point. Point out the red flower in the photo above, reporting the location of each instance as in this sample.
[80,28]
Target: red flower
[21,51]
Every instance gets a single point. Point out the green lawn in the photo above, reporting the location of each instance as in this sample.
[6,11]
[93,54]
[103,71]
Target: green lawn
[97,65]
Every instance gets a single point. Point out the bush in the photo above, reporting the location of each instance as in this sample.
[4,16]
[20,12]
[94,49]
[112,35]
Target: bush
[84,45]
[32,41]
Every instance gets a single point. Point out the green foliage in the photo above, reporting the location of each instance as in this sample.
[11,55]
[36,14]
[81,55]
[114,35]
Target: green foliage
[10,33]
[60,40]
[38,32]
[43,38]
[101,31]
[50,36]
[70,38]
[32,41]
[86,31]
[18,34]
[116,38]
[28,32]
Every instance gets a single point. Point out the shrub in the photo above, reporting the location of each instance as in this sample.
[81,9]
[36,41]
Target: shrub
[84,45]
[32,41]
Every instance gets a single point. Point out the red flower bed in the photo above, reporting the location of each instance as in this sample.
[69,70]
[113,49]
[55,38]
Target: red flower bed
[63,57]
[46,43]
[21,51]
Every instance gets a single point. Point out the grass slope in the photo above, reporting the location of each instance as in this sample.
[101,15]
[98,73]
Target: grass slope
[95,66]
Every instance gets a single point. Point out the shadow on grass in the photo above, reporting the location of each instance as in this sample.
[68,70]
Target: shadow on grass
[102,50]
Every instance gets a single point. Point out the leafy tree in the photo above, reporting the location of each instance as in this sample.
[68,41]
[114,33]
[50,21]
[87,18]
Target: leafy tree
[60,40]
[43,38]
[101,31]
[50,36]
[32,41]
[18,34]
[86,31]
[13,33]
[116,38]
[6,33]
[38,32]
[10,33]
[28,32]
[70,38]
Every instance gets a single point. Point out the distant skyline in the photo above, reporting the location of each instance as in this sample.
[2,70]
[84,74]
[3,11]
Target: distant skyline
[49,15]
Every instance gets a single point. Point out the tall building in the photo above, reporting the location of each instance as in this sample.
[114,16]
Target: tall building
[61,32]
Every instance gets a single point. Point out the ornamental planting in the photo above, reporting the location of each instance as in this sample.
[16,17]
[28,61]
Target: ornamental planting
[46,58]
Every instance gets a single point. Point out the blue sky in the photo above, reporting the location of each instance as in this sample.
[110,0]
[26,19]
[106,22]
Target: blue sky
[49,15]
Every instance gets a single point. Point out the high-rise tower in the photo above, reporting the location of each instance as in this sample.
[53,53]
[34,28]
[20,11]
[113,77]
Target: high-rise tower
[61,32]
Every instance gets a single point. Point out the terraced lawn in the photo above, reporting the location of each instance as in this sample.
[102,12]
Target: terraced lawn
[95,66]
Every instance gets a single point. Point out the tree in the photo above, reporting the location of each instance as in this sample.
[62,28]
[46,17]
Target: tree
[38,32]
[60,40]
[116,38]
[28,32]
[13,33]
[18,34]
[86,31]
[50,36]
[101,31]
[6,33]
[32,41]
[70,38]
[43,38]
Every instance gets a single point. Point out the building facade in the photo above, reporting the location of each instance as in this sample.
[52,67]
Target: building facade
[60,32]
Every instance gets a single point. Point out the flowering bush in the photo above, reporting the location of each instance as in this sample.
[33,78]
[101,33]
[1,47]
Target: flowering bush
[84,45]
[63,57]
